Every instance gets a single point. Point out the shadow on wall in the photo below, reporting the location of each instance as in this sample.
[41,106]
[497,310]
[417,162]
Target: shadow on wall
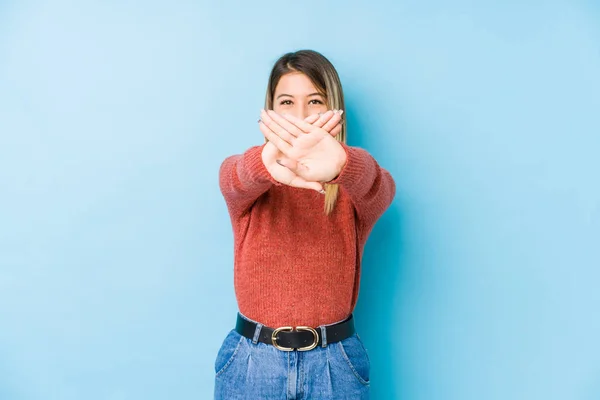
[7,387]
[375,312]
[382,268]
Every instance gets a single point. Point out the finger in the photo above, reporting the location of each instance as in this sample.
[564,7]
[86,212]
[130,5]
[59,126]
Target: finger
[292,165]
[324,118]
[287,162]
[276,127]
[311,119]
[333,121]
[272,137]
[301,183]
[286,125]
[336,131]
[298,181]
[303,126]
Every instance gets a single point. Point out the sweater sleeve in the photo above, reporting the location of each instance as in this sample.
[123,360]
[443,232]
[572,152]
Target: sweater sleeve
[243,178]
[370,187]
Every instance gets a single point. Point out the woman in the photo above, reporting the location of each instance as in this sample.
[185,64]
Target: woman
[302,206]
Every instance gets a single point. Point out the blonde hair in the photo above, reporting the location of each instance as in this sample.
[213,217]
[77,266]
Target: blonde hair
[327,81]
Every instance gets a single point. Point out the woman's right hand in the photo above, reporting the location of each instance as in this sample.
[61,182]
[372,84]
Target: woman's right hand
[329,121]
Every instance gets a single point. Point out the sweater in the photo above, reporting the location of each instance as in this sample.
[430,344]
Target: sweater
[294,265]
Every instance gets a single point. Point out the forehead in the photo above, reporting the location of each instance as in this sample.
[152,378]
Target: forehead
[295,84]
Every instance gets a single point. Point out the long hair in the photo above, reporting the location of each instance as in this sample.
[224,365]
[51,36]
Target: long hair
[326,80]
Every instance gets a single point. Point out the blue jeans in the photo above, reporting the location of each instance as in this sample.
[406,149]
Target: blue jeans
[247,369]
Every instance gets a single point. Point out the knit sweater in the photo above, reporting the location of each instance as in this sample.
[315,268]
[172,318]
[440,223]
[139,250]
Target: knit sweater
[294,265]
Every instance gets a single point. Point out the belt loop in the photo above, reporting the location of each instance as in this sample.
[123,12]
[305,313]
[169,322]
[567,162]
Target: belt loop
[257,332]
[323,336]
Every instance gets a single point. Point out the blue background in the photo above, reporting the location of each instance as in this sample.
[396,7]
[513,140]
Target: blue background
[481,280]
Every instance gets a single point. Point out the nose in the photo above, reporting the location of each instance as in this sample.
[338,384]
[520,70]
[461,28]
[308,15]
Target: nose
[304,112]
[300,111]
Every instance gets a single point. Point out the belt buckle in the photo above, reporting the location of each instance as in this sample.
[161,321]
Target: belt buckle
[290,329]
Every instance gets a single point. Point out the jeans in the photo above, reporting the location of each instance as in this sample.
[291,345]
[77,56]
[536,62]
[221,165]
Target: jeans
[246,369]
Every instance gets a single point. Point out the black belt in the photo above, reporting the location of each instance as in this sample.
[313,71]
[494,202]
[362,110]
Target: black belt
[302,338]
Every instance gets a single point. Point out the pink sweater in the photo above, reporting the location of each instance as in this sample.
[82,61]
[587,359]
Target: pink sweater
[294,265]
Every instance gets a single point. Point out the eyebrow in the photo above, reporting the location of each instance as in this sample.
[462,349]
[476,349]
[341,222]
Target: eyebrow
[312,94]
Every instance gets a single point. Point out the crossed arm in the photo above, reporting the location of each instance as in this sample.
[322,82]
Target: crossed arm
[305,154]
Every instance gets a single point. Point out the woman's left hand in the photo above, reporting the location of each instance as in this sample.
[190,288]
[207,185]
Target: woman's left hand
[310,152]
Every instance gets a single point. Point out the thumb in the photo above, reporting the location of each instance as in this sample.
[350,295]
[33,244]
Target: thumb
[290,164]
[301,183]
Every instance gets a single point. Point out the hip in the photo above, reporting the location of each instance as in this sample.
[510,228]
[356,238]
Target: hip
[247,368]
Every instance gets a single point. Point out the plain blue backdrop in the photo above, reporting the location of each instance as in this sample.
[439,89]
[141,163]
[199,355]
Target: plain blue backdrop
[116,274]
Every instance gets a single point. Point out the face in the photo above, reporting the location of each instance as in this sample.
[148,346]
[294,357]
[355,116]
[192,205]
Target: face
[295,94]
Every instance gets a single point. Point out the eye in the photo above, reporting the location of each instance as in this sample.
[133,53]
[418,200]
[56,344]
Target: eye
[316,101]
[285,102]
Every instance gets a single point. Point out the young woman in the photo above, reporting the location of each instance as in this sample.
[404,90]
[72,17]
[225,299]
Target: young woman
[302,206]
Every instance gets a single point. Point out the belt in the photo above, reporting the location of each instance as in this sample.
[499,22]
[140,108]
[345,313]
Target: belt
[302,338]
